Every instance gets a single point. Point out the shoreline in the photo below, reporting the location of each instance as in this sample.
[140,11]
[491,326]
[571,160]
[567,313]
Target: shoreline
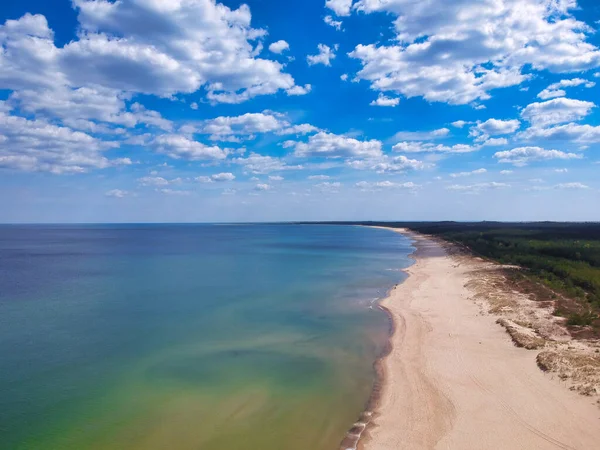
[451,377]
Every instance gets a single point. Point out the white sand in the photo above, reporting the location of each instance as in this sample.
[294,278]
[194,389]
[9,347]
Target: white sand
[454,379]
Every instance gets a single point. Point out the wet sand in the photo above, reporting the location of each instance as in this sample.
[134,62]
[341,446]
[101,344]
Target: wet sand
[453,378]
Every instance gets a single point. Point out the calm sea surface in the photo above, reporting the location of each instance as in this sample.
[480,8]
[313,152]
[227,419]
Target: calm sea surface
[212,337]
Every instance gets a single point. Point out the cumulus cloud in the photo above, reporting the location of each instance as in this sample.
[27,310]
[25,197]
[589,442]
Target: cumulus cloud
[325,55]
[556,89]
[262,187]
[279,47]
[495,127]
[299,90]
[388,164]
[77,107]
[39,146]
[182,47]
[331,145]
[246,126]
[429,147]
[494,142]
[524,155]
[181,147]
[458,52]
[572,132]
[382,100]
[261,164]
[460,123]
[337,24]
[216,178]
[340,7]
[319,177]
[556,111]
[153,181]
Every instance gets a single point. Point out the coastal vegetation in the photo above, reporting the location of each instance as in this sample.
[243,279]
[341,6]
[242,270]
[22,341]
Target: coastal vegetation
[564,257]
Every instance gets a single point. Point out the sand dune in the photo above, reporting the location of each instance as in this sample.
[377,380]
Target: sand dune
[454,379]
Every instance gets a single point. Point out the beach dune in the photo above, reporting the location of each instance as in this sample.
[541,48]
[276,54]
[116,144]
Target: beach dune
[454,379]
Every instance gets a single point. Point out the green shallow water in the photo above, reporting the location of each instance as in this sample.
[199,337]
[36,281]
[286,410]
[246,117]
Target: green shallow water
[190,337]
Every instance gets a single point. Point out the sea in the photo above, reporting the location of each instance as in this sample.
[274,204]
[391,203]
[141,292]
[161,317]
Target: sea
[211,337]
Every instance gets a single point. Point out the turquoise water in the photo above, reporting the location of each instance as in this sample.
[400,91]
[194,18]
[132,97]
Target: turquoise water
[211,337]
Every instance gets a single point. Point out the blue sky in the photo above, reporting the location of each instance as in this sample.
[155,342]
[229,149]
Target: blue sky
[196,110]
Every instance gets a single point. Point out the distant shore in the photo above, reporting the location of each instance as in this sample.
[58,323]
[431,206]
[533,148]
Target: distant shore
[453,379]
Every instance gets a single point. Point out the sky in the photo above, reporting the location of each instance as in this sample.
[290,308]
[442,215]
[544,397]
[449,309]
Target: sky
[269,110]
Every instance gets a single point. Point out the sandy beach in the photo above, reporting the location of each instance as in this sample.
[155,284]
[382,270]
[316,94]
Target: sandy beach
[454,379]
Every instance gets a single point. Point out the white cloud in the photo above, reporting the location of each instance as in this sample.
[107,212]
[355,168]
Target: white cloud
[387,164]
[582,134]
[325,55]
[331,145]
[468,174]
[299,90]
[374,186]
[494,142]
[218,178]
[153,181]
[382,100]
[261,164]
[39,146]
[327,186]
[429,147]
[76,107]
[475,188]
[340,7]
[523,155]
[303,128]
[459,51]
[262,187]
[506,172]
[556,111]
[276,178]
[222,128]
[337,24]
[182,47]
[116,193]
[555,89]
[319,177]
[223,176]
[180,147]
[246,126]
[495,127]
[571,186]
[344,77]
[279,47]
[460,123]
[422,135]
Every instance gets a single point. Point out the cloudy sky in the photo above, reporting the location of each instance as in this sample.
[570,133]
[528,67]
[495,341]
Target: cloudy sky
[196,110]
